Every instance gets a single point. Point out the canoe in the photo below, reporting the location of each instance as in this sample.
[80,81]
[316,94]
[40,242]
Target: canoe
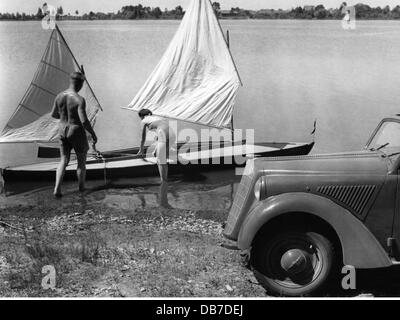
[125,162]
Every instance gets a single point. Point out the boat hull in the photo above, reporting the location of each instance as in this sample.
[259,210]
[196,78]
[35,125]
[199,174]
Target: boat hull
[124,163]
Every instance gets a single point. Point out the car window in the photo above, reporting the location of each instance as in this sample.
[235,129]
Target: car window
[389,132]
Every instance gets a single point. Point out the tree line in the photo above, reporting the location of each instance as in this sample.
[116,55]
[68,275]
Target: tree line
[125,13]
[363,12]
[139,11]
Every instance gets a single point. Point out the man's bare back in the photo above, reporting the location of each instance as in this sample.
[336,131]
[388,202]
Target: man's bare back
[70,108]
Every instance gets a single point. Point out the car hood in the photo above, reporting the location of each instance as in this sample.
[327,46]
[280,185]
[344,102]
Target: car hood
[351,162]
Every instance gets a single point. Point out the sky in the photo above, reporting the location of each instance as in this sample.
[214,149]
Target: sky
[84,6]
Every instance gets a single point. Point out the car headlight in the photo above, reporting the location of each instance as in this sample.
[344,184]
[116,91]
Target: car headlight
[259,188]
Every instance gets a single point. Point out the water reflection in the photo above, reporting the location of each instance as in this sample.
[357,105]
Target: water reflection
[212,191]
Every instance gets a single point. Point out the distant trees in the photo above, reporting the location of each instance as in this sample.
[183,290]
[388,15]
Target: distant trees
[386,10]
[7,16]
[298,11]
[238,13]
[216,6]
[132,12]
[157,12]
[363,11]
[395,14]
[139,11]
[179,11]
[235,11]
[320,12]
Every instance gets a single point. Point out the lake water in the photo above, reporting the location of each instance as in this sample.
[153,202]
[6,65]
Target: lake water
[293,72]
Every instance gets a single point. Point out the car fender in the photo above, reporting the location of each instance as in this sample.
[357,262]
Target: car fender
[359,246]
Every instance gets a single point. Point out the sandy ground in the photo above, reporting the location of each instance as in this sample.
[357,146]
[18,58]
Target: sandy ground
[114,241]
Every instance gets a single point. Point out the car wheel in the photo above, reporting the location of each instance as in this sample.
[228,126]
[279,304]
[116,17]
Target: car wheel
[293,263]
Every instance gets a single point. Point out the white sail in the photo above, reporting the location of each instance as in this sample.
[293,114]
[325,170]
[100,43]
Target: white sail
[196,79]
[31,120]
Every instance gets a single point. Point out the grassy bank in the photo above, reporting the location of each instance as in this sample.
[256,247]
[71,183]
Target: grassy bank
[102,250]
[116,242]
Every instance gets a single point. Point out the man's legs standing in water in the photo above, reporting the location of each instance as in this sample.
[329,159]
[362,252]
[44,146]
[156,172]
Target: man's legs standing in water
[65,153]
[81,170]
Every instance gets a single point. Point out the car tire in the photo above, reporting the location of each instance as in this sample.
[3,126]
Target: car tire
[293,263]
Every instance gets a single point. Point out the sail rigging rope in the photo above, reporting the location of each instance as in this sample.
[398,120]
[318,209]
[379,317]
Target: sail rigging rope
[98,155]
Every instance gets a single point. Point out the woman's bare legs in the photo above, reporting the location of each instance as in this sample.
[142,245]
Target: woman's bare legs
[81,170]
[163,170]
[65,152]
[161,151]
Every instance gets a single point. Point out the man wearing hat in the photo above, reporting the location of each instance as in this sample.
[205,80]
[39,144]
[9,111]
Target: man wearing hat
[70,108]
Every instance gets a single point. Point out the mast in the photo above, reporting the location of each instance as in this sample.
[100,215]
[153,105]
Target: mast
[229,48]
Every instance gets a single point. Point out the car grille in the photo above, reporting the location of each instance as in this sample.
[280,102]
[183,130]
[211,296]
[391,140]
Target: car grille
[236,217]
[355,197]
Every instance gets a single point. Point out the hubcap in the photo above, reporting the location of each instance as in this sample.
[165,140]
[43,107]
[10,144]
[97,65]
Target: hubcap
[294,261]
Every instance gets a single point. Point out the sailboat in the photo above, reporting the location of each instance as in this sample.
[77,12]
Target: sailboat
[31,121]
[196,81]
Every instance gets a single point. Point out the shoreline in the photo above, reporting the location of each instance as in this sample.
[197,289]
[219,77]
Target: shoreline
[117,242]
[175,19]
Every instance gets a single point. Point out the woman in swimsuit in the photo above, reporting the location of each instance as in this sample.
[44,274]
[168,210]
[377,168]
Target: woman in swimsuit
[165,140]
[70,108]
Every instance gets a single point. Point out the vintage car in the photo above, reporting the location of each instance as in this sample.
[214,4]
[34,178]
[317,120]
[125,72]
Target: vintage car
[303,218]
